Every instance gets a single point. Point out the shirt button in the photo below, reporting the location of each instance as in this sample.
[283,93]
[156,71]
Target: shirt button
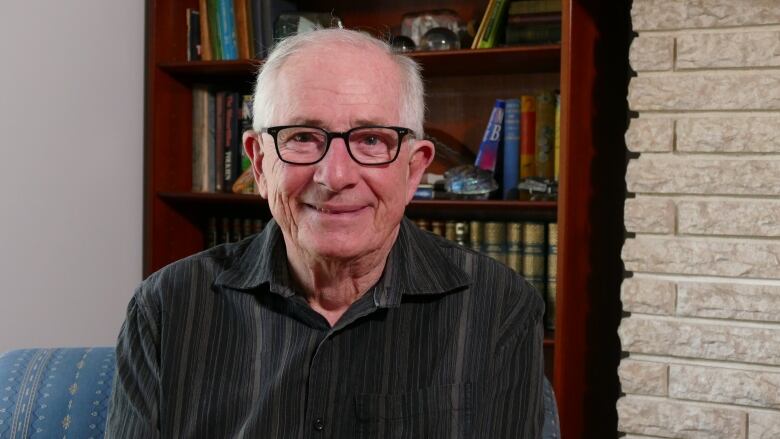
[319,425]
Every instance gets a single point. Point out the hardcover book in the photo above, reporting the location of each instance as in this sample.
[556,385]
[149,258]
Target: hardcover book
[533,255]
[514,246]
[226,24]
[527,136]
[495,241]
[552,275]
[511,155]
[545,135]
[488,149]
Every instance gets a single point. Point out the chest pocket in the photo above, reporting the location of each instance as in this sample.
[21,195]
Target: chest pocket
[433,412]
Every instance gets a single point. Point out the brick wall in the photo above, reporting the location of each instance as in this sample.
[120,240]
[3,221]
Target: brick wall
[703,335]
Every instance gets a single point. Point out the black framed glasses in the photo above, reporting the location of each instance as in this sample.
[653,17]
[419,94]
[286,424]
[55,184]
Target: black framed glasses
[307,145]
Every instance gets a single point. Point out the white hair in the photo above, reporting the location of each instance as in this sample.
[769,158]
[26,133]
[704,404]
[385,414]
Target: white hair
[265,104]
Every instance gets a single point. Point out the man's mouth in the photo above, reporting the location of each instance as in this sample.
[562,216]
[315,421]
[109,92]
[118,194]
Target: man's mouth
[335,210]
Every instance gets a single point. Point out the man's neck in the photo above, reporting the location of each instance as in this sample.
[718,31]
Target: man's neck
[330,286]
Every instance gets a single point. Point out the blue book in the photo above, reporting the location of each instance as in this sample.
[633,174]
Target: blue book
[511,149]
[226,24]
[488,149]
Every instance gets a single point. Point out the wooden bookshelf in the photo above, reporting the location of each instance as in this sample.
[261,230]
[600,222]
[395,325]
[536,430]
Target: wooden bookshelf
[589,67]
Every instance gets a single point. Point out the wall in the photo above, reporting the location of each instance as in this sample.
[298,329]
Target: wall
[71,137]
[703,334]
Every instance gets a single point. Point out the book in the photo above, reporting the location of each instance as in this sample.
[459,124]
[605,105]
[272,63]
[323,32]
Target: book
[246,125]
[462,233]
[243,35]
[211,139]
[511,149]
[219,144]
[226,25]
[200,144]
[449,230]
[193,35]
[545,135]
[206,53]
[488,148]
[495,240]
[494,26]
[534,6]
[483,24]
[538,33]
[271,10]
[475,235]
[514,246]
[544,17]
[214,36]
[552,275]
[527,136]
[232,140]
[556,171]
[534,255]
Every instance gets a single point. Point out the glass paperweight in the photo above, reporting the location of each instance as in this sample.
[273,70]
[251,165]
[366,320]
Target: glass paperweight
[439,38]
[415,24]
[402,44]
[470,181]
[302,22]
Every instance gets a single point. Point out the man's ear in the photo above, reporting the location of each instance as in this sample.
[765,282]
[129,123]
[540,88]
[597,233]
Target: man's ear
[422,155]
[253,147]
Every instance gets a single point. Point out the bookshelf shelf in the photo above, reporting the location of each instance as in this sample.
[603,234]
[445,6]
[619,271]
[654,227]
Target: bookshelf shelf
[465,62]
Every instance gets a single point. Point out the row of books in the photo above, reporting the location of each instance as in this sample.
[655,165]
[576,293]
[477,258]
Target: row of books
[522,141]
[218,120]
[529,248]
[225,230]
[519,22]
[233,29]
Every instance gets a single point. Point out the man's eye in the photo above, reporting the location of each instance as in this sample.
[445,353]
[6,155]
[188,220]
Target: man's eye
[371,140]
[303,137]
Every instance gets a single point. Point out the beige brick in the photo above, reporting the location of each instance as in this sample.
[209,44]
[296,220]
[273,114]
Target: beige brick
[643,377]
[648,296]
[728,134]
[729,217]
[730,386]
[729,301]
[650,53]
[680,338]
[763,425]
[650,135]
[680,14]
[659,417]
[694,174]
[717,257]
[649,215]
[728,49]
[759,90]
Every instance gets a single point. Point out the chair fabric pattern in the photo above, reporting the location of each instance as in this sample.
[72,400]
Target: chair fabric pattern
[55,393]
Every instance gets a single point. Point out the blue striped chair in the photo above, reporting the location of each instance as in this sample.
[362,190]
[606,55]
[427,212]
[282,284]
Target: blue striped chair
[64,393]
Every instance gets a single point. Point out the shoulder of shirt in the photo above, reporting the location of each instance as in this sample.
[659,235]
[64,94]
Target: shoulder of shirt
[193,274]
[492,277]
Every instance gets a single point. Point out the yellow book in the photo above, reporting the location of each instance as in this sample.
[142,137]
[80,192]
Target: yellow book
[527,136]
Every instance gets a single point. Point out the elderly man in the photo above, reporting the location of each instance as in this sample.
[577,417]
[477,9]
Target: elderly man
[341,319]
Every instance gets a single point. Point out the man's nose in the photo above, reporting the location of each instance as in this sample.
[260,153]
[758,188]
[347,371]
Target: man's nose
[337,171]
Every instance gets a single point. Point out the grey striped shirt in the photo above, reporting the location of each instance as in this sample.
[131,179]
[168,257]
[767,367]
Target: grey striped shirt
[447,344]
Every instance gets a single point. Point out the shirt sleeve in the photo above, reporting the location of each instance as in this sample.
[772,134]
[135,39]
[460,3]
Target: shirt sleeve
[512,404]
[134,409]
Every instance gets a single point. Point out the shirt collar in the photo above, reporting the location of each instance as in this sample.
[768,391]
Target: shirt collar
[416,265]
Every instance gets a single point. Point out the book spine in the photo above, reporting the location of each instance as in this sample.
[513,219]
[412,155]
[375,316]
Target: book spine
[193,35]
[514,246]
[198,134]
[258,33]
[227,29]
[246,125]
[535,7]
[497,15]
[533,33]
[557,166]
[220,142]
[462,233]
[214,35]
[449,230]
[243,38]
[495,241]
[211,139]
[511,148]
[552,275]
[488,149]
[475,235]
[205,36]
[527,136]
[533,255]
[231,128]
[545,135]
